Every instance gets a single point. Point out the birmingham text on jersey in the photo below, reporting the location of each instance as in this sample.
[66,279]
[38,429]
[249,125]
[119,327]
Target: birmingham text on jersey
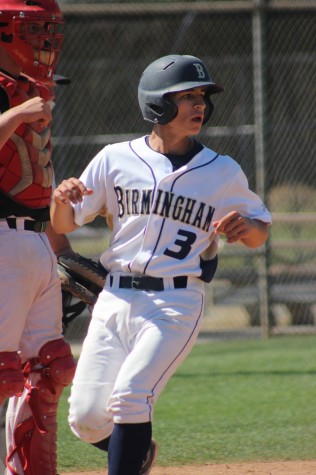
[134,202]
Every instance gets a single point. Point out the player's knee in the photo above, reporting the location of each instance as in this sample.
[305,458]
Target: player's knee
[57,356]
[56,367]
[89,422]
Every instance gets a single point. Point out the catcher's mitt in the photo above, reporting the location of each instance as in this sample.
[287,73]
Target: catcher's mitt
[82,277]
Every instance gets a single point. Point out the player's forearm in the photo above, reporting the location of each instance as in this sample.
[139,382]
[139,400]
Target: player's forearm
[9,122]
[62,218]
[258,234]
[59,242]
[35,109]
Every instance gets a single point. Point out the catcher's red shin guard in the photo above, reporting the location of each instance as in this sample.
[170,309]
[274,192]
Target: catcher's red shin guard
[11,376]
[36,437]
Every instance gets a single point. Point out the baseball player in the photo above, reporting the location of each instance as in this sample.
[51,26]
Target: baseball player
[166,198]
[35,361]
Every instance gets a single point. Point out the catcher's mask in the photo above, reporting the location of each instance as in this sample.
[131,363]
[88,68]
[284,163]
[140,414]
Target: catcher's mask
[173,73]
[29,32]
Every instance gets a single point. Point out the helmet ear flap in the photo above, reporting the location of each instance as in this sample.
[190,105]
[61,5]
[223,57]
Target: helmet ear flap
[162,111]
[171,109]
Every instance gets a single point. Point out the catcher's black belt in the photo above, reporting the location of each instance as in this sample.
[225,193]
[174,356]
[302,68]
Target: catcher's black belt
[28,224]
[145,282]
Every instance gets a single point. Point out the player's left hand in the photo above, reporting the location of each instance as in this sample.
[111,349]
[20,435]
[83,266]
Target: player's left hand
[71,190]
[234,226]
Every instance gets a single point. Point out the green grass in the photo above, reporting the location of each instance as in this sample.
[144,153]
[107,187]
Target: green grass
[229,401]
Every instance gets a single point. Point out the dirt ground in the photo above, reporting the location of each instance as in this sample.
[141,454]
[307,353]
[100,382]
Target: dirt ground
[252,468]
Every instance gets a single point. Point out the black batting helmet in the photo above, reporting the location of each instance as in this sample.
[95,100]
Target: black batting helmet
[169,74]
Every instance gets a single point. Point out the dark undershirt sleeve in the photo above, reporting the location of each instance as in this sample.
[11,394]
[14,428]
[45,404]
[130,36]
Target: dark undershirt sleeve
[4,101]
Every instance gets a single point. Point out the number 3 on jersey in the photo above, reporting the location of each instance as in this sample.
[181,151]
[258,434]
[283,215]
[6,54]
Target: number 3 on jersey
[184,245]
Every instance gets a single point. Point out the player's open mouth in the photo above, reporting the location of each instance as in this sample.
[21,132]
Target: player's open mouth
[198,119]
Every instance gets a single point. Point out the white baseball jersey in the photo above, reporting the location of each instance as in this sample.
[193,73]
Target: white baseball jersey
[162,219]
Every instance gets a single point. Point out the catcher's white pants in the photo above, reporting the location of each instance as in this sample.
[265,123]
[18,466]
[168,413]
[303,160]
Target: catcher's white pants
[135,342]
[30,295]
[30,306]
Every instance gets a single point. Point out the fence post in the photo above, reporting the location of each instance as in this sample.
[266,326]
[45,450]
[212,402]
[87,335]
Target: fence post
[259,75]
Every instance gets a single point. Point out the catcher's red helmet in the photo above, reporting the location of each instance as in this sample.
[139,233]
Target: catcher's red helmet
[29,32]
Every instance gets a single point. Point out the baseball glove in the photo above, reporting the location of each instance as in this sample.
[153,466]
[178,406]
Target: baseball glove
[82,277]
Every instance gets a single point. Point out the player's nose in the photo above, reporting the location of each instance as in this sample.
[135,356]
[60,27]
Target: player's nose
[200,103]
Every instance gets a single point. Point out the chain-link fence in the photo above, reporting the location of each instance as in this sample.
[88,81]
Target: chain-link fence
[264,53]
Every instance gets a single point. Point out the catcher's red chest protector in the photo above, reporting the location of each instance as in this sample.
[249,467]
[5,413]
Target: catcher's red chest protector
[26,172]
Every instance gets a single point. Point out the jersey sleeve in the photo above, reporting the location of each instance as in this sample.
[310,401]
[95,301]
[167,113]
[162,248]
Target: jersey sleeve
[243,200]
[94,177]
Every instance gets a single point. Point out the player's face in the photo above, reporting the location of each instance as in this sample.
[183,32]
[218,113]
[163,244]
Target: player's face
[191,107]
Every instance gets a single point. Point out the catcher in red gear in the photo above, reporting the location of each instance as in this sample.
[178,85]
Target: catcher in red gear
[35,361]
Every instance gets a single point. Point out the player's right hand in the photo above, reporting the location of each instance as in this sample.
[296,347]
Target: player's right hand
[35,110]
[71,190]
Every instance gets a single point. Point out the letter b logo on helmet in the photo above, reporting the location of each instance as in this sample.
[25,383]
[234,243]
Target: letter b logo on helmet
[173,73]
[200,70]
